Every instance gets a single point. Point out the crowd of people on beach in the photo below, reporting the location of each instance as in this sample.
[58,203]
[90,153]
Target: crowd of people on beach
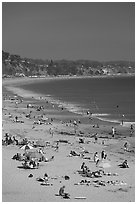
[31,159]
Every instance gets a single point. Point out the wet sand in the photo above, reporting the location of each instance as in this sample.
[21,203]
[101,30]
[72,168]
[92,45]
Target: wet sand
[18,187]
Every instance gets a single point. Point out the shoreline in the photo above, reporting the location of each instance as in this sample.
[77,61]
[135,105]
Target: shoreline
[69,107]
[23,80]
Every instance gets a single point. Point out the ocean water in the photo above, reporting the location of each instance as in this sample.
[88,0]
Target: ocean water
[111,98]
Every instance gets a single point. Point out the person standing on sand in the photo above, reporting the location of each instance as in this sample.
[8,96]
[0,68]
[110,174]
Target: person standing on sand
[96,158]
[123,119]
[113,131]
[96,138]
[75,126]
[102,154]
[82,166]
[16,118]
[131,130]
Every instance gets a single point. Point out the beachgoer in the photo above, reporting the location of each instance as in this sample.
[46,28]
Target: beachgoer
[97,161]
[81,140]
[74,153]
[45,177]
[75,122]
[79,121]
[103,142]
[61,191]
[98,173]
[126,145]
[15,140]
[123,119]
[102,154]
[96,158]
[16,118]
[131,127]
[57,146]
[124,164]
[82,166]
[10,141]
[6,137]
[113,131]
[131,130]
[96,138]
[41,151]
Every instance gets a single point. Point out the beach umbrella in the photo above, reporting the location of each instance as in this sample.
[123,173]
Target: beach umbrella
[26,147]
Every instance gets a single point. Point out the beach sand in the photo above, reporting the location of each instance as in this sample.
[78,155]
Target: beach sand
[18,187]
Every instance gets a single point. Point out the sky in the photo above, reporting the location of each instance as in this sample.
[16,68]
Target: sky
[101,31]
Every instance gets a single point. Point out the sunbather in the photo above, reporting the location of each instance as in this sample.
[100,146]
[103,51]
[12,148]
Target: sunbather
[73,153]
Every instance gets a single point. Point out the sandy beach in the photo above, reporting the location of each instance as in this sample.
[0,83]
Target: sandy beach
[55,128]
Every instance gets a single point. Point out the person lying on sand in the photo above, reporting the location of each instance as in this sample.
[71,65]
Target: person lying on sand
[86,172]
[74,153]
[44,179]
[98,173]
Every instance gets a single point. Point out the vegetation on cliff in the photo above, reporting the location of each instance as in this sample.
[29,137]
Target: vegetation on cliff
[14,65]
